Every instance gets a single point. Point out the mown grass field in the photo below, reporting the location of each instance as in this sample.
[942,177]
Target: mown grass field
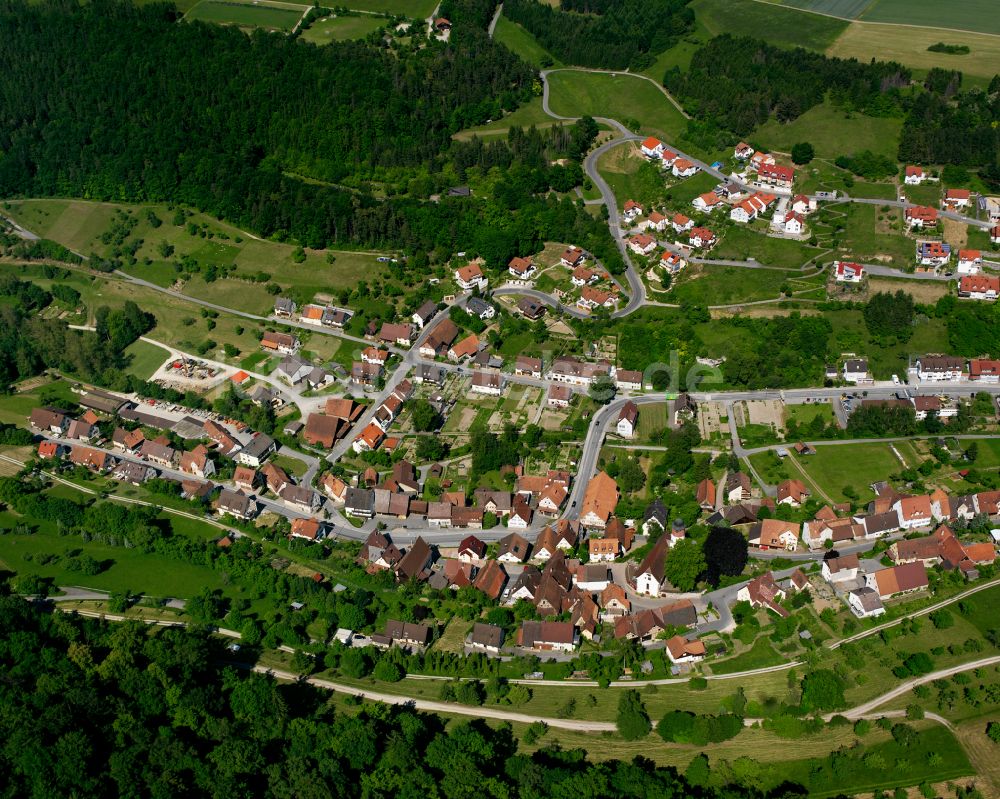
[908,45]
[527,115]
[836,466]
[741,241]
[146,358]
[623,97]
[833,133]
[779,25]
[970,15]
[519,41]
[258,14]
[709,284]
[339,29]
[415,9]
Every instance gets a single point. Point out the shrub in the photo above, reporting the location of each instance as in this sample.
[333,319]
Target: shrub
[633,721]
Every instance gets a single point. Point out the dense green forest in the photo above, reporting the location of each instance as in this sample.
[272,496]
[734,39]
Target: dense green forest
[608,34]
[92,709]
[741,82]
[962,130]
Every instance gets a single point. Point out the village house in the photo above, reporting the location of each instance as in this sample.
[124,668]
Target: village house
[527,366]
[705,494]
[920,216]
[368,439]
[591,298]
[627,420]
[970,262]
[856,370]
[803,204]
[547,636]
[310,529]
[582,276]
[979,287]
[282,343]
[134,473]
[470,277]
[401,334]
[491,580]
[737,487]
[681,223]
[479,307]
[794,224]
[707,202]
[759,159]
[521,268]
[672,262]
[956,199]
[682,168]
[50,420]
[995,235]
[646,625]
[649,578]
[656,221]
[865,603]
[774,534]
[742,151]
[651,147]
[559,396]
[628,379]
[752,207]
[775,175]
[763,592]
[572,257]
[257,450]
[486,638]
[667,158]
[792,492]
[701,237]
[197,462]
[896,580]
[840,569]
[284,307]
[680,650]
[158,452]
[933,253]
[235,504]
[642,244]
[848,272]
[439,339]
[520,514]
[599,501]
[513,548]
[984,371]
[603,550]
[127,440]
[913,175]
[575,372]
[632,210]
[940,369]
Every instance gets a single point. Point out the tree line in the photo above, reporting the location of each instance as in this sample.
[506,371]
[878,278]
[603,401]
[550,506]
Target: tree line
[741,82]
[607,34]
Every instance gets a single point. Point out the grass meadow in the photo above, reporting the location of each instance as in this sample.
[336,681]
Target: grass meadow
[339,29]
[258,14]
[520,41]
[833,133]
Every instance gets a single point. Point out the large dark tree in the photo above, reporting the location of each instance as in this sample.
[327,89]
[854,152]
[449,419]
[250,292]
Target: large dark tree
[726,554]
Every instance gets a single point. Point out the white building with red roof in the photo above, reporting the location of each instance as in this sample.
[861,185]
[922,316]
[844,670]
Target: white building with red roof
[914,175]
[651,147]
[848,272]
[682,168]
[970,262]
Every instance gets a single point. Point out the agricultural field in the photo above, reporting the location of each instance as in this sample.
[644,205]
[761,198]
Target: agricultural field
[342,28]
[846,9]
[908,45]
[256,14]
[779,25]
[832,133]
[967,15]
[619,96]
[519,41]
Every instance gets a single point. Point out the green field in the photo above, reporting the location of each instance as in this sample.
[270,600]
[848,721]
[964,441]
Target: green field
[805,413]
[653,419]
[78,224]
[258,14]
[742,241]
[836,466]
[848,9]
[146,359]
[851,335]
[775,24]
[832,133]
[415,9]
[622,97]
[339,29]
[867,238]
[759,656]
[529,114]
[519,41]
[710,284]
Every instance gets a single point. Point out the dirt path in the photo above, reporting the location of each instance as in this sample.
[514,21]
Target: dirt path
[809,480]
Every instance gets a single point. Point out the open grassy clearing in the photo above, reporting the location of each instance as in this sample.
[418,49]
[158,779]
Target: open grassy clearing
[908,45]
[779,25]
[806,413]
[527,115]
[78,225]
[259,14]
[873,235]
[851,335]
[519,41]
[759,656]
[618,96]
[833,133]
[740,242]
[146,359]
[709,284]
[339,29]
[837,466]
[653,418]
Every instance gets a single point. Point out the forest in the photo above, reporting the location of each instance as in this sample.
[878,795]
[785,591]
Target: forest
[962,130]
[605,34]
[740,82]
